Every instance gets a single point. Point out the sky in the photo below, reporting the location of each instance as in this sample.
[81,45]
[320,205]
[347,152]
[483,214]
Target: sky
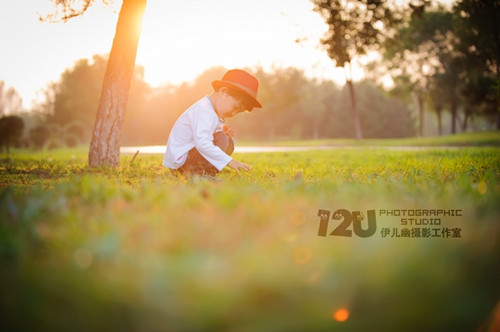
[180,39]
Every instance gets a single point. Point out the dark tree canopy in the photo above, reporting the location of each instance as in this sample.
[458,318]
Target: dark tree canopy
[67,9]
[450,57]
[353,26]
[11,130]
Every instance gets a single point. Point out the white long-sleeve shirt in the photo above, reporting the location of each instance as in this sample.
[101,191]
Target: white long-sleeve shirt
[195,128]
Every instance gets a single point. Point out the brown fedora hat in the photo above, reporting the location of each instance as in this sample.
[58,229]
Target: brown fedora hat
[240,80]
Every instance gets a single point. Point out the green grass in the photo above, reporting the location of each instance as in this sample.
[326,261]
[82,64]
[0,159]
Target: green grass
[134,248]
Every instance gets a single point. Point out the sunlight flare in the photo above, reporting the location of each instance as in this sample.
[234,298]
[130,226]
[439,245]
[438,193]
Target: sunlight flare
[341,315]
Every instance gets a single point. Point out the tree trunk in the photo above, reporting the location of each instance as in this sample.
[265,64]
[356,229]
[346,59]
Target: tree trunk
[106,136]
[453,110]
[354,112]
[419,101]
[467,113]
[439,112]
[315,132]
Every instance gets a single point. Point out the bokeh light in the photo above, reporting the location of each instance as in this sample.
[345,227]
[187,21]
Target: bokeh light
[341,315]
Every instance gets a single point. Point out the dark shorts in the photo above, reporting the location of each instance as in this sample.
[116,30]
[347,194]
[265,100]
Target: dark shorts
[196,164]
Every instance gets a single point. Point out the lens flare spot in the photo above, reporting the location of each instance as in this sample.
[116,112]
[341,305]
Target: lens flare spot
[302,255]
[341,315]
[290,237]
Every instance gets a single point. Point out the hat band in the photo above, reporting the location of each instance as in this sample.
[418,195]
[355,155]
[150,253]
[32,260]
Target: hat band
[242,87]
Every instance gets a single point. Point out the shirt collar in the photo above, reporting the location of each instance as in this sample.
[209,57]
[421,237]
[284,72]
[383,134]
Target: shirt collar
[221,119]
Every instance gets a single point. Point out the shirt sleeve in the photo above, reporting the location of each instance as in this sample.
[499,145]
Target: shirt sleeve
[204,124]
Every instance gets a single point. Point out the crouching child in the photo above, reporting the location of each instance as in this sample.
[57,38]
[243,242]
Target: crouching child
[199,142]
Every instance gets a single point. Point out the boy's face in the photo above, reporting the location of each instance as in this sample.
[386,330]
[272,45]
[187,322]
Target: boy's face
[229,106]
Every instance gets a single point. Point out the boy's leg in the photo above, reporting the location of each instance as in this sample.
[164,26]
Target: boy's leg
[197,164]
[224,142]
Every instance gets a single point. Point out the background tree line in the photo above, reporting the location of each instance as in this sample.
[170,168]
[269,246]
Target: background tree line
[447,61]
[294,107]
[439,58]
[444,60]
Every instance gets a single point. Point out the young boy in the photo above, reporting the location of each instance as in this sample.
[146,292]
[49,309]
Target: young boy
[199,143]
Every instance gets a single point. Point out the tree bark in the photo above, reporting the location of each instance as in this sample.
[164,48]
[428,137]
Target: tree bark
[467,113]
[453,111]
[419,100]
[315,132]
[106,136]
[439,112]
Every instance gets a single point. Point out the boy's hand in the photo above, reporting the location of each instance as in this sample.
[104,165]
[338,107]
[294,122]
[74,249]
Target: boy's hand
[236,165]
[228,131]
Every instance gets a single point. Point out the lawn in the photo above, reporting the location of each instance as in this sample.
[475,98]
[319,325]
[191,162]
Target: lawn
[365,239]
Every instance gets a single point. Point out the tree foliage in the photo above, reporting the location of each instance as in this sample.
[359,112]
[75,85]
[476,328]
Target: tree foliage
[67,9]
[478,30]
[77,92]
[10,101]
[354,27]
[449,57]
[11,130]
[295,107]
[75,96]
[412,54]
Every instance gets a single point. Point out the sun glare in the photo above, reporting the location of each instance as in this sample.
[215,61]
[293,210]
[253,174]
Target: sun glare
[179,40]
[182,39]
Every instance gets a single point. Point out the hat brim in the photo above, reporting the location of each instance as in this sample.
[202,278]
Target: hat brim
[218,84]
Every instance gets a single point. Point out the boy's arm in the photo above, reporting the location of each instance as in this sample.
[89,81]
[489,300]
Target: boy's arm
[203,124]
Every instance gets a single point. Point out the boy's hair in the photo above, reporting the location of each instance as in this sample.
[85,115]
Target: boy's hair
[238,95]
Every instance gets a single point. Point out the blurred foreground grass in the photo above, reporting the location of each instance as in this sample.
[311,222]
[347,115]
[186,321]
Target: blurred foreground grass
[135,249]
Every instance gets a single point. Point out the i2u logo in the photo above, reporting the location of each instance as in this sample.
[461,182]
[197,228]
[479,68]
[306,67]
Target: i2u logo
[362,227]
